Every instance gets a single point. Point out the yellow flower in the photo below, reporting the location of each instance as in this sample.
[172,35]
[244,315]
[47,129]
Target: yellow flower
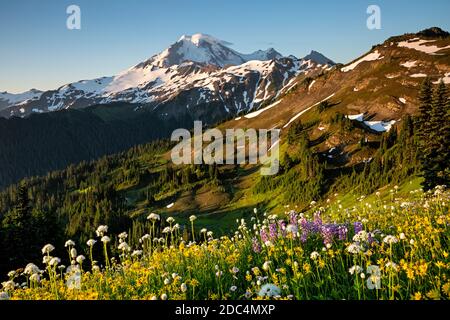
[417,296]
[423,269]
[307,268]
[446,289]
[410,274]
[434,295]
[321,264]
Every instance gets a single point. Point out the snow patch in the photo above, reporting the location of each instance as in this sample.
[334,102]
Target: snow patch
[379,126]
[370,57]
[418,75]
[419,45]
[357,117]
[306,110]
[445,79]
[409,64]
[258,112]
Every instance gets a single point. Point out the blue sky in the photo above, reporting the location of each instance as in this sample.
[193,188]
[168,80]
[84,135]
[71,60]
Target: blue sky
[38,51]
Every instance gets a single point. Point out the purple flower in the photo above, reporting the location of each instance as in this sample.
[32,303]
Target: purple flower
[273,231]
[358,226]
[327,234]
[256,245]
[282,227]
[342,232]
[264,236]
[305,228]
[317,225]
[293,218]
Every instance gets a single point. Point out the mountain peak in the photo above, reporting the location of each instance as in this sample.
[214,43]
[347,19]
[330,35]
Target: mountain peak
[318,58]
[434,32]
[206,49]
[198,38]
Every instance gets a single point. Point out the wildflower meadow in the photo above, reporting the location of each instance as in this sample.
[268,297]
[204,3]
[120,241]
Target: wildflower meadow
[386,248]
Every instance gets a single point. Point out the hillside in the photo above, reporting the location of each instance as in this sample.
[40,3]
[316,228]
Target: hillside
[337,144]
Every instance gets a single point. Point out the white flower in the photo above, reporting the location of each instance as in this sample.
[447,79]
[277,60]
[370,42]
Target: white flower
[124,247]
[69,243]
[170,220]
[192,218]
[136,253]
[235,270]
[355,270]
[166,230]
[292,229]
[31,268]
[11,274]
[233,288]
[362,275]
[209,233]
[361,236]
[101,230]
[54,261]
[266,265]
[204,230]
[390,239]
[46,259]
[268,243]
[174,275]
[255,211]
[164,296]
[176,227]
[183,287]
[402,236]
[35,277]
[153,298]
[47,249]
[167,281]
[354,248]
[73,253]
[105,239]
[153,216]
[392,265]
[123,235]
[269,290]
[80,259]
[4,296]
[219,273]
[96,269]
[314,255]
[411,242]
[91,242]
[8,285]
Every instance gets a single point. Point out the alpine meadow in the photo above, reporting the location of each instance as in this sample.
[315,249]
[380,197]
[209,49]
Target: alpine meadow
[94,206]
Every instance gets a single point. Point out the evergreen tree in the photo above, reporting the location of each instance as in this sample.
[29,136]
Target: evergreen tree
[433,142]
[19,230]
[425,99]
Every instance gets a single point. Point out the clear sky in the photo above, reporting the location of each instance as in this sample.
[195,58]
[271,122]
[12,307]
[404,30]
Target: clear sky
[38,51]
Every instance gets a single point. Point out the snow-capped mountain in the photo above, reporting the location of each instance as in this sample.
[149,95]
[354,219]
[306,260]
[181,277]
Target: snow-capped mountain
[197,70]
[206,49]
[9,99]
